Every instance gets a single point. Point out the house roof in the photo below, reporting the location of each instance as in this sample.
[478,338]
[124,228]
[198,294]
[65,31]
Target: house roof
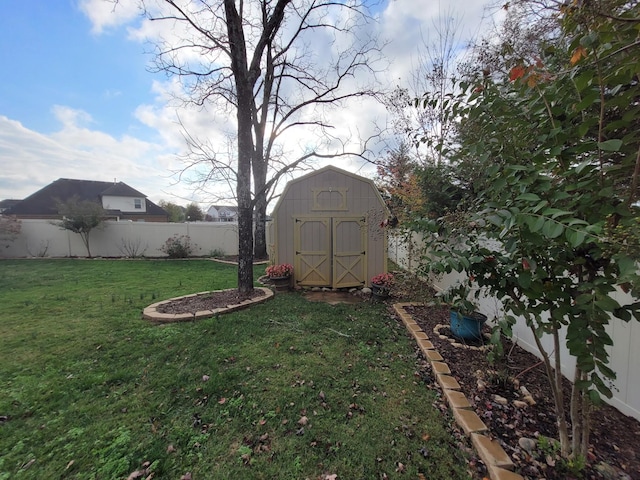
[8,203]
[121,190]
[219,208]
[226,207]
[43,202]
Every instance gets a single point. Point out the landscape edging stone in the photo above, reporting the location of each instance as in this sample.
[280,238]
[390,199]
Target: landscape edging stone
[498,463]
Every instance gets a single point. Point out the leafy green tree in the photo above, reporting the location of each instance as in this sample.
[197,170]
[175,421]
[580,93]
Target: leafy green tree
[194,213]
[81,217]
[554,231]
[176,212]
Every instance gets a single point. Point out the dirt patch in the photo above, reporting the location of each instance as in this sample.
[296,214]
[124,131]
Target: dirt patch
[614,437]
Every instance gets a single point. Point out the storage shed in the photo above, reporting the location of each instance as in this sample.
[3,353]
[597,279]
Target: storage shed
[329,225]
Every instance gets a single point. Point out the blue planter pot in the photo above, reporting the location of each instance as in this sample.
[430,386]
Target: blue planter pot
[467,327]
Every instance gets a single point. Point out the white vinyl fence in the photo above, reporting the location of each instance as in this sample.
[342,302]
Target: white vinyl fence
[624,355]
[41,238]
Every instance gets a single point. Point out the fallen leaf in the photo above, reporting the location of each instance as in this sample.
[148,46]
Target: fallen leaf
[222,401]
[205,378]
[70,464]
[171,448]
[303,420]
[135,475]
[186,476]
[400,467]
[29,463]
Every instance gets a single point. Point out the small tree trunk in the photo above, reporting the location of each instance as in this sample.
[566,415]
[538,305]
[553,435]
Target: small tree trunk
[563,428]
[577,416]
[555,379]
[580,417]
[85,240]
[586,425]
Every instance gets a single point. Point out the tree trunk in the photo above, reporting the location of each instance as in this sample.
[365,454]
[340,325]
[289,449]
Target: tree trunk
[260,231]
[243,81]
[563,428]
[555,381]
[260,209]
[85,240]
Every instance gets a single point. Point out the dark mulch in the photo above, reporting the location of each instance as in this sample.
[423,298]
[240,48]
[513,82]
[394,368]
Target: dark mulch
[615,438]
[208,301]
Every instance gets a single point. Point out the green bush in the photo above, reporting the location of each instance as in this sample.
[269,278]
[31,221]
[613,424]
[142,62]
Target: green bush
[178,246]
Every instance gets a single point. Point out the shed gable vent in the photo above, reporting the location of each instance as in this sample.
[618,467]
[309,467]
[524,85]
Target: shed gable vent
[329,199]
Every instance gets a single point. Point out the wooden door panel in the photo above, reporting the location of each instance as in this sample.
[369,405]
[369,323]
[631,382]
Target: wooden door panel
[349,252]
[312,241]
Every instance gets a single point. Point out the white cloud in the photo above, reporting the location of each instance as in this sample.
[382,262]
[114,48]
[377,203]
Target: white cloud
[106,14]
[80,150]
[31,160]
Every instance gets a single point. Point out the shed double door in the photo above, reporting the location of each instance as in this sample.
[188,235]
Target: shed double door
[330,251]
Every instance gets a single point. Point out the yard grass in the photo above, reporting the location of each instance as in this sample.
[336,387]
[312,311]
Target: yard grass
[288,389]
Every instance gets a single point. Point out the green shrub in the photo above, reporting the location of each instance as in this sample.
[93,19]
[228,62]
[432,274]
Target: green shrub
[178,246]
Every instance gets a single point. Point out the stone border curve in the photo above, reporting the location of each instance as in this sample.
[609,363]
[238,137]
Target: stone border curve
[498,463]
[151,312]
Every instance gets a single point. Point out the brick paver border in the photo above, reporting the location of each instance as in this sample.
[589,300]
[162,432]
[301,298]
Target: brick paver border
[492,454]
[152,313]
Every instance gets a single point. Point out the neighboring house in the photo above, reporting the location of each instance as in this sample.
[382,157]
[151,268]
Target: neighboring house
[7,204]
[121,201]
[222,213]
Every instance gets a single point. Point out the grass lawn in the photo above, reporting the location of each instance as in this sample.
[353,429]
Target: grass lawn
[288,389]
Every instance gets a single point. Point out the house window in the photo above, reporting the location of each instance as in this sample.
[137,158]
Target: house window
[137,203]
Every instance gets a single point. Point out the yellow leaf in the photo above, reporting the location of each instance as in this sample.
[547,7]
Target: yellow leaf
[578,54]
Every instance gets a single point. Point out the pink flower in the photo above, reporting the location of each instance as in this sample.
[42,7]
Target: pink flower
[384,279]
[281,270]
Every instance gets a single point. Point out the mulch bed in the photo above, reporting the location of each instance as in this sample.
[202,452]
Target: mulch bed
[615,438]
[208,301]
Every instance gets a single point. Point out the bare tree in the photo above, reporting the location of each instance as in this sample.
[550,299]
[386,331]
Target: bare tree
[434,77]
[278,64]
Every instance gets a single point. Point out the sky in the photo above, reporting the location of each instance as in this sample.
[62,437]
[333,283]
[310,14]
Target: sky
[78,99]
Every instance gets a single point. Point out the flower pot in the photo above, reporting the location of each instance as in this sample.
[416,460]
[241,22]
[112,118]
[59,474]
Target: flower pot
[467,327]
[379,291]
[281,284]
